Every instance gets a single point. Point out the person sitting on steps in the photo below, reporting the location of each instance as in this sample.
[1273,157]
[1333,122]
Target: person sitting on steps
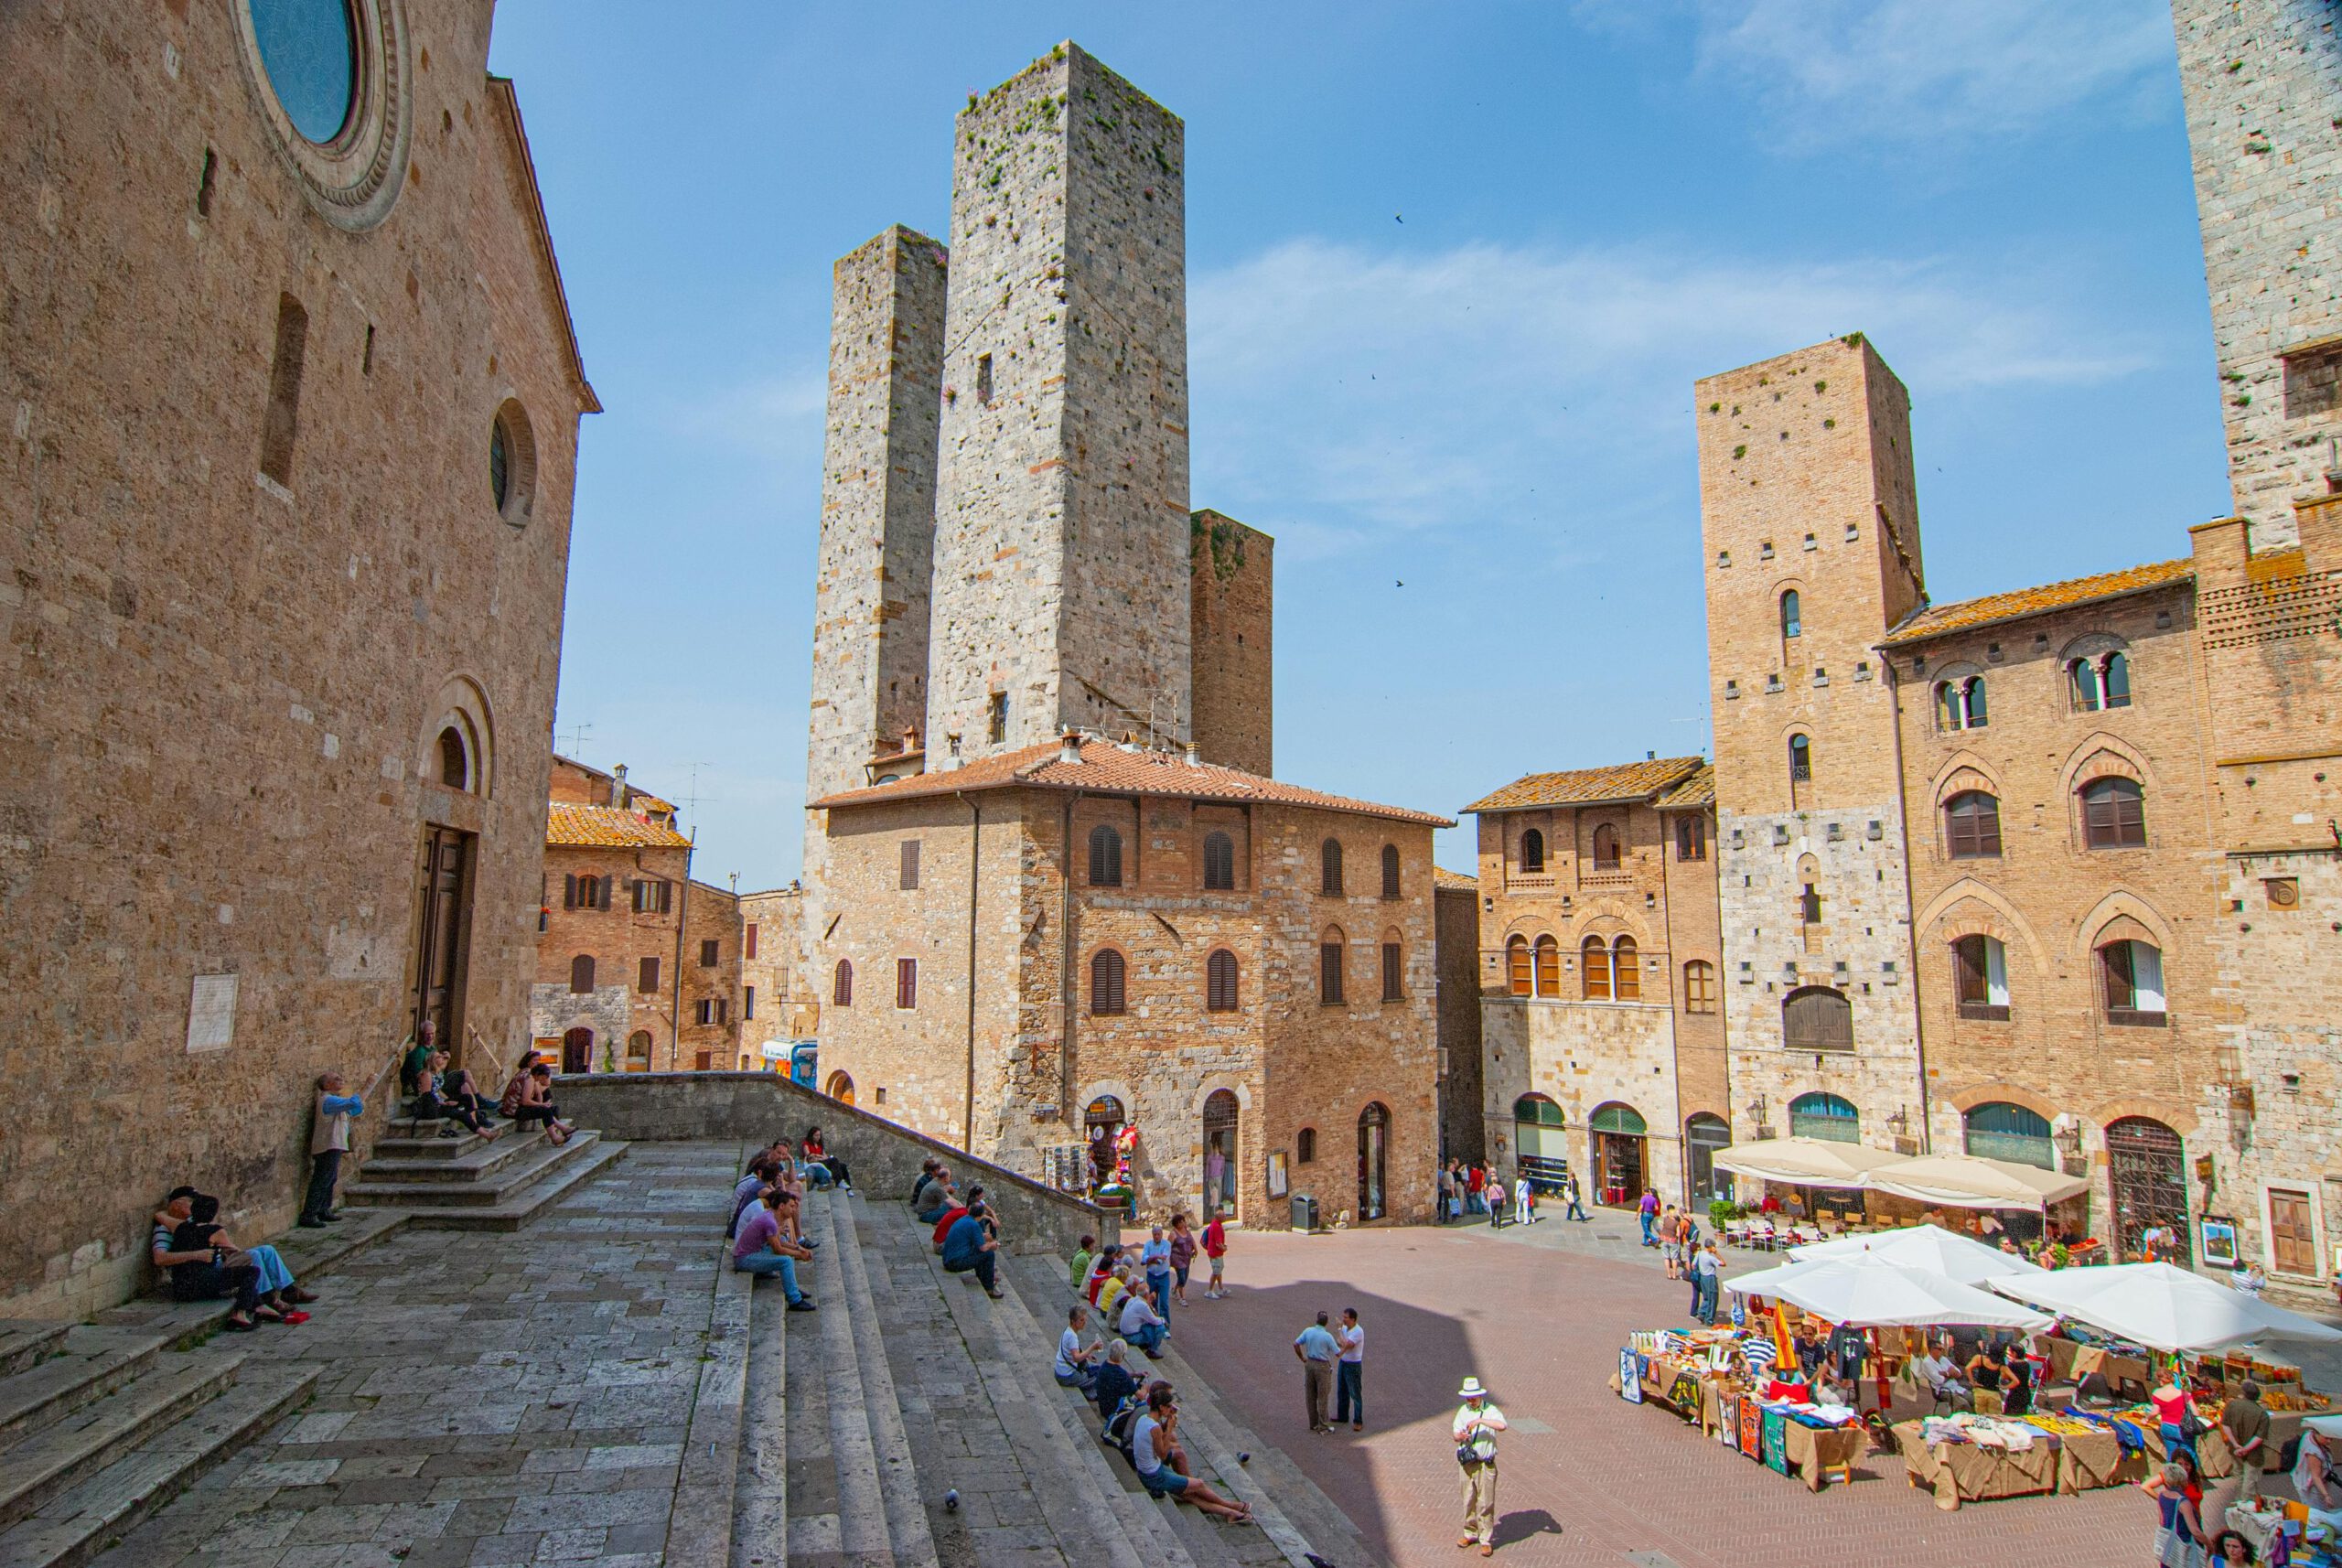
[1116,1381]
[954,1215]
[529,1098]
[821,1167]
[1073,1369]
[972,1248]
[433,1104]
[205,1265]
[934,1198]
[1139,1323]
[766,1245]
[1163,1464]
[456,1086]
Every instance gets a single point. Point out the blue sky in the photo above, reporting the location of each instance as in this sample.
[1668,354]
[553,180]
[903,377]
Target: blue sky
[1452,270]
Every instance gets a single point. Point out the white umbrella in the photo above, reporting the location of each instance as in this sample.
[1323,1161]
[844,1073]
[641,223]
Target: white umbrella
[1929,1247]
[1870,1292]
[1803,1162]
[2160,1306]
[1971,1181]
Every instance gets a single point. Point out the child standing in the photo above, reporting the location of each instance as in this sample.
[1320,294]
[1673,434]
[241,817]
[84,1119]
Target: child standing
[1216,1249]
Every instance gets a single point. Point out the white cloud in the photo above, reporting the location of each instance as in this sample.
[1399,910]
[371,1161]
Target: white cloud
[1358,394]
[1833,73]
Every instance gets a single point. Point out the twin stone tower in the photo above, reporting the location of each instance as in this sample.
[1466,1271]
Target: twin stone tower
[1007,550]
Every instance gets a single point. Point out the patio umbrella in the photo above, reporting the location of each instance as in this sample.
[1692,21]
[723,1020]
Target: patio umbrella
[1971,1181]
[1929,1247]
[1868,1291]
[1803,1162]
[2160,1307]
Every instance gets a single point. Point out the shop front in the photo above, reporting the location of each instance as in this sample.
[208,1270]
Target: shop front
[1621,1155]
[1541,1142]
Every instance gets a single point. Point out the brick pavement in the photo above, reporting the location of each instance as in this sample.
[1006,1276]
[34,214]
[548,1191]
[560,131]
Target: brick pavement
[1587,1478]
[488,1398]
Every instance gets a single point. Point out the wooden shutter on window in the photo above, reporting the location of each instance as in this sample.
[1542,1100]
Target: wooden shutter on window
[910,865]
[647,978]
[1106,973]
[748,941]
[1330,973]
[569,891]
[907,983]
[1219,981]
[1516,954]
[1972,826]
[1392,991]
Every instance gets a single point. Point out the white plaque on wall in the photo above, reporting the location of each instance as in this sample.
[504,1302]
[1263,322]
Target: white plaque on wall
[211,1013]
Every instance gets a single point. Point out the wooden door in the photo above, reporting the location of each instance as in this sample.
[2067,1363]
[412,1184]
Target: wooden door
[2293,1245]
[443,940]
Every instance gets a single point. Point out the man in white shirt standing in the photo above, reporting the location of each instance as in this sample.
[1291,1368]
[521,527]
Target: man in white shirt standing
[1349,1371]
[1475,1429]
[1073,1368]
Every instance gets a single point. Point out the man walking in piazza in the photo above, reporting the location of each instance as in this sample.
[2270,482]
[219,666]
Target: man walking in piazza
[1474,1428]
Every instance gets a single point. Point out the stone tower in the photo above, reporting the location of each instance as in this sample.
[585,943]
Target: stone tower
[1810,523]
[2262,77]
[1061,572]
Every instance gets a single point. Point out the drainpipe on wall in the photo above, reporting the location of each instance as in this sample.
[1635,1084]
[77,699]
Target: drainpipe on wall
[1911,930]
[975,843]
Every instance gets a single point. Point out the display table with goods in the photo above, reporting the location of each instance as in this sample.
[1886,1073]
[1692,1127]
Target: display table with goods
[1721,1380]
[2308,1544]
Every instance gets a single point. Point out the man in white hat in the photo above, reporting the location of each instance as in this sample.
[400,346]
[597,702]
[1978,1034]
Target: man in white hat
[1474,1428]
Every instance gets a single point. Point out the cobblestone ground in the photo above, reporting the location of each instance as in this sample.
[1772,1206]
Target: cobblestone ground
[489,1398]
[1539,1313]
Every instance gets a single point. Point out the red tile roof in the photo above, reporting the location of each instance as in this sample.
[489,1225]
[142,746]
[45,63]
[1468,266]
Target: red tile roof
[1107,768]
[1937,619]
[606,827]
[1445,879]
[1699,789]
[1592,786]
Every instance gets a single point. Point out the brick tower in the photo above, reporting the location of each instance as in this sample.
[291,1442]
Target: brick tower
[1061,571]
[1810,529]
[2262,77]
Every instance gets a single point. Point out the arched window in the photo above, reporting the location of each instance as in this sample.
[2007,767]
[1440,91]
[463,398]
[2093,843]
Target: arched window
[1626,972]
[1699,986]
[586,892]
[1549,967]
[1825,1116]
[1516,965]
[2000,1131]
[2133,973]
[1792,615]
[1594,958]
[2082,685]
[637,1051]
[842,984]
[1329,868]
[1800,759]
[906,984]
[1605,848]
[1703,1133]
[1816,1018]
[2114,680]
[1105,856]
[1972,826]
[1533,853]
[581,973]
[1219,863]
[2149,1166]
[455,759]
[840,1088]
[1219,981]
[1329,968]
[2102,681]
[1106,982]
[1304,1146]
[1540,1138]
[1980,977]
[1960,705]
[1394,968]
[1390,871]
[2114,814]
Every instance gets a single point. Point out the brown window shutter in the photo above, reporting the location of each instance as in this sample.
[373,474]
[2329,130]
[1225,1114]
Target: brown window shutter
[748,941]
[1392,991]
[910,865]
[1329,973]
[569,891]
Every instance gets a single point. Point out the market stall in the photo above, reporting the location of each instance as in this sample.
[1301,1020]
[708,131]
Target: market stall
[1929,1247]
[1721,1381]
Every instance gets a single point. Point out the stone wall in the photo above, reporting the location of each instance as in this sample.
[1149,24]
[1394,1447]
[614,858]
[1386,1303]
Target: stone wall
[617,939]
[771,965]
[225,683]
[2262,79]
[711,924]
[1455,937]
[1061,555]
[1232,614]
[1693,905]
[883,1156]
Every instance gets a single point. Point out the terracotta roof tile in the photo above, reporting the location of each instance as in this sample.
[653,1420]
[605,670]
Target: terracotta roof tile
[607,827]
[1937,619]
[1591,786]
[1107,768]
[1441,878]
[1699,789]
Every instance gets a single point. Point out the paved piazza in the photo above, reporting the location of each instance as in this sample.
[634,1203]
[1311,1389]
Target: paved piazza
[488,1397]
[1586,1478]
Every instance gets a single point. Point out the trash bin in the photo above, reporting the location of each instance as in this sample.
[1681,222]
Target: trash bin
[1305,1212]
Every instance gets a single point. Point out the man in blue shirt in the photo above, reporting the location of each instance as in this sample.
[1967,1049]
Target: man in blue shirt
[328,1141]
[968,1247]
[1316,1351]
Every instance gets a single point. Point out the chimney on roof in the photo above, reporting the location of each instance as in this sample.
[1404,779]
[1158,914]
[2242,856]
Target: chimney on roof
[619,794]
[952,747]
[910,740]
[1070,745]
[1194,759]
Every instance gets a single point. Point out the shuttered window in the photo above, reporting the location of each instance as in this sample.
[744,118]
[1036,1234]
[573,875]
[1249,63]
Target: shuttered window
[653,896]
[841,986]
[1329,868]
[1105,857]
[1595,980]
[1219,863]
[1699,986]
[581,974]
[907,983]
[1329,973]
[1549,967]
[1817,1018]
[1219,981]
[1972,825]
[1516,964]
[1690,838]
[646,976]
[910,865]
[1390,871]
[1392,989]
[2114,814]
[1106,975]
[748,940]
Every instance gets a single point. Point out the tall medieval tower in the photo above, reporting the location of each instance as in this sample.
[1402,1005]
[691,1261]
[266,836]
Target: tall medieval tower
[2262,77]
[1062,567]
[1810,523]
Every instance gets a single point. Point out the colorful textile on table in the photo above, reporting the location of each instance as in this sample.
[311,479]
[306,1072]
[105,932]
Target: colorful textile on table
[1684,1393]
[1728,1420]
[1752,1428]
[1777,1441]
[1630,1377]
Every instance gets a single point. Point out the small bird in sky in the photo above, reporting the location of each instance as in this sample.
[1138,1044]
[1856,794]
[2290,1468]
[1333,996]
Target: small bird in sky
[1399,584]
[1398,217]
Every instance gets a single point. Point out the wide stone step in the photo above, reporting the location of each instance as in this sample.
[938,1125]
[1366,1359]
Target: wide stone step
[908,1533]
[37,1467]
[585,1157]
[91,1363]
[24,1341]
[482,1158]
[760,1487]
[76,1524]
[492,1187]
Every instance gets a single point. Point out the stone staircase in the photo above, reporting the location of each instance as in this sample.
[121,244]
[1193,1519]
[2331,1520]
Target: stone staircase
[909,1384]
[102,1426]
[470,1182]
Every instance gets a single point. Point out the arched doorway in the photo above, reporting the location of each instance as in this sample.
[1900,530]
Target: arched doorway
[1704,1134]
[2001,1131]
[1101,1127]
[577,1050]
[1829,1117]
[2150,1178]
[840,1088]
[1374,1148]
[1220,1154]
[637,1051]
[1539,1141]
[1621,1172]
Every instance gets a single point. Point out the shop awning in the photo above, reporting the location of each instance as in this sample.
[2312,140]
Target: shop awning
[2160,1306]
[1803,1162]
[1868,1291]
[1929,1247]
[1971,1181]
